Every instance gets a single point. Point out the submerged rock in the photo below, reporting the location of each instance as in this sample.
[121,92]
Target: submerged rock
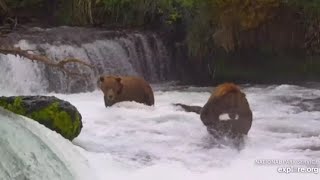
[54,113]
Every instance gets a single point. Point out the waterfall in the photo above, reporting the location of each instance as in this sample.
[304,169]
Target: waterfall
[110,52]
[29,150]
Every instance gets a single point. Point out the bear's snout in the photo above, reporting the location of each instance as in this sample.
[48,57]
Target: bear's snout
[107,102]
[110,95]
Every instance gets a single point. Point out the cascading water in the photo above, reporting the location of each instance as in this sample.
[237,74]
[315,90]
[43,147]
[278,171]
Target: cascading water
[110,52]
[28,150]
[20,76]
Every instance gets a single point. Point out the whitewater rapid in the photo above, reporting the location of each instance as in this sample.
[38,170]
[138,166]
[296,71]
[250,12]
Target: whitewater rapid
[28,150]
[134,141]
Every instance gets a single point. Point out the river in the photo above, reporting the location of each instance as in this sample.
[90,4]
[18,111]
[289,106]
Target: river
[134,141]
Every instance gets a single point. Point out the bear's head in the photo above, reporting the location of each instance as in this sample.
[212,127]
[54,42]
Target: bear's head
[111,87]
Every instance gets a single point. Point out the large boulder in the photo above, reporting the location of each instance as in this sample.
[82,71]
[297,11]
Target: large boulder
[54,113]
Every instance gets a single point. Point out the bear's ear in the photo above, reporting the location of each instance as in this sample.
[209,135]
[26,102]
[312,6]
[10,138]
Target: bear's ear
[101,78]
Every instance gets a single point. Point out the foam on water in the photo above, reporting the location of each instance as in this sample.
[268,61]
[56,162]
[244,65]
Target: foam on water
[133,141]
[29,150]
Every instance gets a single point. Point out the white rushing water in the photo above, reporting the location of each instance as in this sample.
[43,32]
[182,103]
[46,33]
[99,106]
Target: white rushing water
[133,141]
[29,150]
[136,142]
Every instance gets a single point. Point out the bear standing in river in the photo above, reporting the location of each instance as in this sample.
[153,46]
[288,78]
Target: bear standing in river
[227,99]
[125,88]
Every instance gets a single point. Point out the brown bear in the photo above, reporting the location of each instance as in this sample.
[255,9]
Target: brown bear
[227,99]
[125,88]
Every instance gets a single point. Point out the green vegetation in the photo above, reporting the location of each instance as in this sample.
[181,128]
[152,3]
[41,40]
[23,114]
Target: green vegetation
[86,12]
[221,21]
[58,120]
[52,116]
[15,106]
[310,7]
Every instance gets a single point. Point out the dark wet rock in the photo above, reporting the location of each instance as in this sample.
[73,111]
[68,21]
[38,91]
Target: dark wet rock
[54,113]
[310,104]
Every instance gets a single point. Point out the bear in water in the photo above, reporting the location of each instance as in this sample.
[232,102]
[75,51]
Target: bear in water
[227,99]
[125,88]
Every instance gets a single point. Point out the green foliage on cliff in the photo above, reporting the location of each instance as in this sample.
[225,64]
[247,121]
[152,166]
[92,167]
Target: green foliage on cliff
[226,23]
[138,12]
[86,12]
[247,13]
[310,7]
[209,22]
[24,3]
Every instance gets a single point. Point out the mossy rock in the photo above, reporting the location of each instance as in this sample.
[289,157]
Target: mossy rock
[54,113]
